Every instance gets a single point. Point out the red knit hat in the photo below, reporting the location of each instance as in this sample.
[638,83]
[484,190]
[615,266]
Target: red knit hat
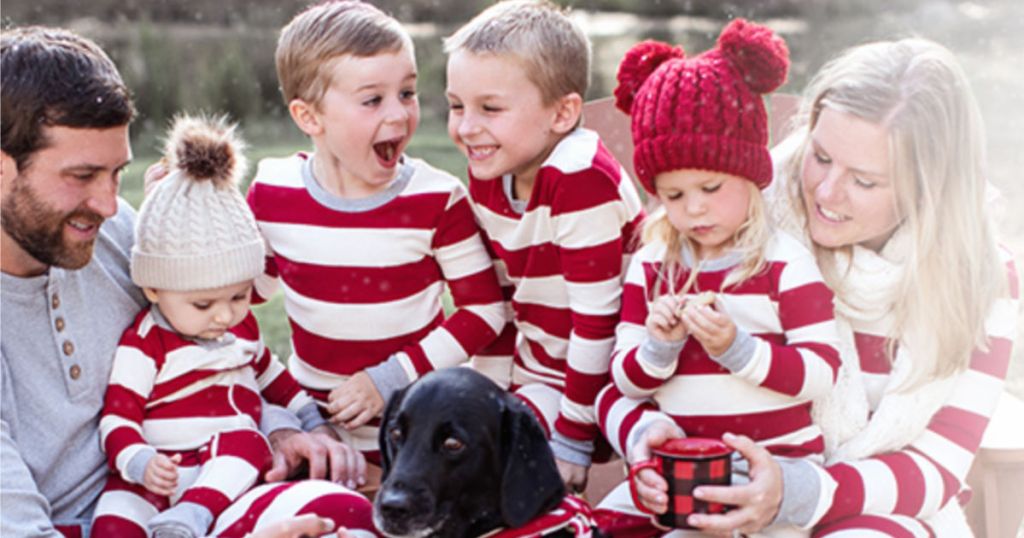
[704,112]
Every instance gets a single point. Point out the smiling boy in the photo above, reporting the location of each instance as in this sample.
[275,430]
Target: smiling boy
[362,237]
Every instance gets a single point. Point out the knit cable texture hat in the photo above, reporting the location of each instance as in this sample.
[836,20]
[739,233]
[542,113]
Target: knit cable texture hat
[705,112]
[195,230]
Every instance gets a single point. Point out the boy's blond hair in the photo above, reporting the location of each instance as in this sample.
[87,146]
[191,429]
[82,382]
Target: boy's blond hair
[324,32]
[553,49]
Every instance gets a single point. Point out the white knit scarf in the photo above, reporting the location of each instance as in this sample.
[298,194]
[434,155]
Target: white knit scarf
[867,299]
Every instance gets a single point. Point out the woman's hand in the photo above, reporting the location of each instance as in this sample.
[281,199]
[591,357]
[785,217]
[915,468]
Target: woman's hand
[651,486]
[663,322]
[757,503]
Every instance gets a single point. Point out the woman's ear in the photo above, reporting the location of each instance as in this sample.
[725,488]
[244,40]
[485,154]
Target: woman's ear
[306,117]
[568,109]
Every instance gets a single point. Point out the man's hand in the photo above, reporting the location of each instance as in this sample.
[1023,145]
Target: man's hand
[574,476]
[300,527]
[355,402]
[161,476]
[321,451]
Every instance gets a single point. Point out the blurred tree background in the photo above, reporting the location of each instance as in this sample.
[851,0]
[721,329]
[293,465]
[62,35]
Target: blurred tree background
[218,57]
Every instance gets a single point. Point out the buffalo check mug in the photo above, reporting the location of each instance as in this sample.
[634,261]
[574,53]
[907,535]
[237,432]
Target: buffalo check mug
[685,464]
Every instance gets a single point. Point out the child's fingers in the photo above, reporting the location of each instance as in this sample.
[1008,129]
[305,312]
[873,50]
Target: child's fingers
[347,413]
[176,459]
[364,416]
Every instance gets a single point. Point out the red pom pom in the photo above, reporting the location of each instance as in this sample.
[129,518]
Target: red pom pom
[761,56]
[638,64]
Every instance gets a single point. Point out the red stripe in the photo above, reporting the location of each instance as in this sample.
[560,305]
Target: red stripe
[537,260]
[541,356]
[554,321]
[596,263]
[786,372]
[480,288]
[360,285]
[995,362]
[594,327]
[849,495]
[805,305]
[470,330]
[871,350]
[457,224]
[282,390]
[346,357]
[635,373]
[503,346]
[910,485]
[866,522]
[213,500]
[634,305]
[960,426]
[212,401]
[245,524]
[757,426]
[345,509]
[289,205]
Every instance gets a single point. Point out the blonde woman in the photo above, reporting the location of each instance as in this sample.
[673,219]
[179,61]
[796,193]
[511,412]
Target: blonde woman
[884,178]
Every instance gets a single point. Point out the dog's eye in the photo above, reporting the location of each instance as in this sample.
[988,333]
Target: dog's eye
[395,434]
[452,444]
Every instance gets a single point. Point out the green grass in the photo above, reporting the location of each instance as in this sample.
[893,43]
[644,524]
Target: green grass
[430,143]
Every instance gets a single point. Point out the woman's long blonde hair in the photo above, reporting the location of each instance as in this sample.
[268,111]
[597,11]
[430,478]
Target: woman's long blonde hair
[750,241]
[919,93]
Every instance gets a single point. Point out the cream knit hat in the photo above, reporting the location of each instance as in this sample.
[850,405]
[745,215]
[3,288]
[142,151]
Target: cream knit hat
[195,230]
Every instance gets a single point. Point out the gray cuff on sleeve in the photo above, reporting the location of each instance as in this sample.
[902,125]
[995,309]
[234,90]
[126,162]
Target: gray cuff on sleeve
[571,450]
[800,492]
[135,471]
[660,354]
[739,353]
[388,376]
[276,418]
[310,416]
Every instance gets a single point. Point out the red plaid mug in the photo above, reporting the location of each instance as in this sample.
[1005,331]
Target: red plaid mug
[685,464]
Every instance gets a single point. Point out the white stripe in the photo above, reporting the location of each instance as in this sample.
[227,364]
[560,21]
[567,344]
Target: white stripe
[797,437]
[348,247]
[377,321]
[462,259]
[363,438]
[595,298]
[556,347]
[545,399]
[718,395]
[188,359]
[595,225]
[190,433]
[230,475]
[589,356]
[280,172]
[126,505]
[800,269]
[266,286]
[125,456]
[823,332]
[1002,319]
[649,368]
[880,492]
[976,392]
[754,313]
[442,349]
[493,314]
[757,368]
[623,382]
[577,412]
[550,291]
[818,380]
[946,453]
[111,422]
[535,373]
[133,370]
[575,152]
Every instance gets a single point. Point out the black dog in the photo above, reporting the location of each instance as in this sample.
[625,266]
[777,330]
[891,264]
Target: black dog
[461,457]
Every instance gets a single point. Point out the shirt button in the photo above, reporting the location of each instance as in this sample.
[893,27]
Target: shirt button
[75,371]
[69,348]
[59,324]
[55,301]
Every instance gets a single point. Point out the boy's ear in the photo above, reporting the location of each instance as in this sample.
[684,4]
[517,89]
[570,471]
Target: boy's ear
[8,168]
[151,295]
[306,117]
[568,109]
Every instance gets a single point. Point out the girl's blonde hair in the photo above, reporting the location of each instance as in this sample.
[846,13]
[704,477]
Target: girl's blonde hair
[919,93]
[750,240]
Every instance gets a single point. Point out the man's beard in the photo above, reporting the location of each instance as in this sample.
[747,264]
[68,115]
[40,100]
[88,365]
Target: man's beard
[39,230]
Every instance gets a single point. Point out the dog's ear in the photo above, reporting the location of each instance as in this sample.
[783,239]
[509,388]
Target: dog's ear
[383,440]
[530,484]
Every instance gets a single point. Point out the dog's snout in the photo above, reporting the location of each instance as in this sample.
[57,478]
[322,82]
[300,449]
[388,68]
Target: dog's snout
[395,503]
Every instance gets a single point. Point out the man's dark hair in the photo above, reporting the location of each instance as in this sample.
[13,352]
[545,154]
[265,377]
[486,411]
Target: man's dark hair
[54,77]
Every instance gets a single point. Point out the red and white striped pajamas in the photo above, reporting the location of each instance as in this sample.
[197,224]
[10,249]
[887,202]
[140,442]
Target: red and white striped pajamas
[363,284]
[786,314]
[895,494]
[560,261]
[198,400]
